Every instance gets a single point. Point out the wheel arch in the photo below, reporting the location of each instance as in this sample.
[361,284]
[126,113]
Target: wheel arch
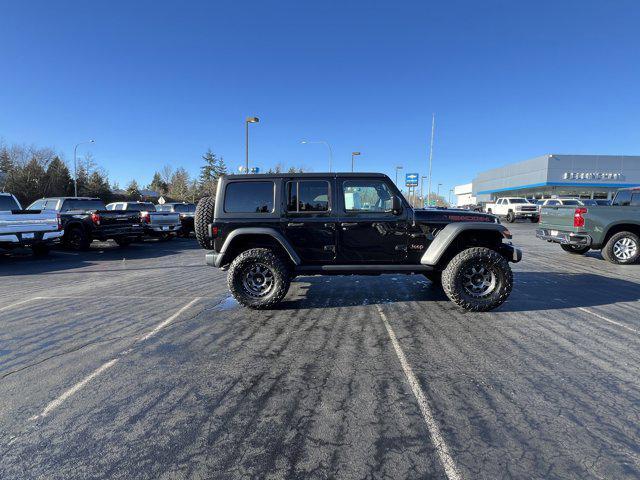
[620,227]
[455,237]
[243,239]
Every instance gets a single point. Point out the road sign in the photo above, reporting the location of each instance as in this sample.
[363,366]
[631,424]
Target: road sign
[254,169]
[411,180]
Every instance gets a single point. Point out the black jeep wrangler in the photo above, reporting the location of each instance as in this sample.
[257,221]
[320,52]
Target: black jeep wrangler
[267,229]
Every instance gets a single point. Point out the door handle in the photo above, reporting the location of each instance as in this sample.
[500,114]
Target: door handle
[295,224]
[348,224]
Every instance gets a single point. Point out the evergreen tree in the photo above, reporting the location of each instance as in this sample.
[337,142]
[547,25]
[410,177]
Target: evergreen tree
[158,184]
[98,185]
[133,191]
[179,188]
[210,172]
[58,179]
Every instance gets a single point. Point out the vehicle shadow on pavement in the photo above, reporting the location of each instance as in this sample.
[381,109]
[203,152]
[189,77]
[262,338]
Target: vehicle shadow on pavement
[22,262]
[555,290]
[349,291]
[532,291]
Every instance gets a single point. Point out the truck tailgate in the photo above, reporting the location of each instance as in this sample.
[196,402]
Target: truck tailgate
[558,217]
[24,221]
[164,218]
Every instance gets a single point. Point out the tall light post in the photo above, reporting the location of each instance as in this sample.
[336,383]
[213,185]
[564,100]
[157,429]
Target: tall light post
[450,192]
[75,165]
[433,130]
[422,187]
[246,123]
[353,154]
[399,167]
[438,193]
[323,142]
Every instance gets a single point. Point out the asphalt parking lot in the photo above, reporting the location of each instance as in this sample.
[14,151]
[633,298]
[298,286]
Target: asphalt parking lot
[135,363]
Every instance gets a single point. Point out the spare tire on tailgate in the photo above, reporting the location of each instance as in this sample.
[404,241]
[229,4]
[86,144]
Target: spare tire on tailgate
[204,216]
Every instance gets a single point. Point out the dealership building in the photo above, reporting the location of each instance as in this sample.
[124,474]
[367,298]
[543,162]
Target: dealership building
[583,176]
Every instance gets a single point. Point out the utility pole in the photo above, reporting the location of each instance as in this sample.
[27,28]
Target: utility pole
[433,129]
[422,188]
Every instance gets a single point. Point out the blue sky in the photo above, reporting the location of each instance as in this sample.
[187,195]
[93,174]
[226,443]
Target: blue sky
[159,82]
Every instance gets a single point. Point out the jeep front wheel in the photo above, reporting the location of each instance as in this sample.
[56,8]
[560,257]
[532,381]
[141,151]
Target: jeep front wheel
[478,279]
[258,278]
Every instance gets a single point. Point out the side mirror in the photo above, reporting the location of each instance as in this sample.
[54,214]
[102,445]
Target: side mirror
[396,205]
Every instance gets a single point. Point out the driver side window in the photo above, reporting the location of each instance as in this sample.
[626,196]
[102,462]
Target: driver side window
[367,196]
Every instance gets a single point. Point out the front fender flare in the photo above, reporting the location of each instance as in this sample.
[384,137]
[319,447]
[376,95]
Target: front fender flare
[448,235]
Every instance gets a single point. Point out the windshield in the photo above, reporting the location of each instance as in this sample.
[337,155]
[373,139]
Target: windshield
[141,207]
[8,203]
[184,208]
[572,202]
[517,200]
[83,205]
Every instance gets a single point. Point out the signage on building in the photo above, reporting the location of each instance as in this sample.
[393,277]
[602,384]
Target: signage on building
[592,176]
[411,180]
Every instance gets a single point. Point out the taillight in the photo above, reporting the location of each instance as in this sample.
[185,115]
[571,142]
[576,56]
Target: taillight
[59,222]
[578,219]
[95,218]
[145,217]
[214,231]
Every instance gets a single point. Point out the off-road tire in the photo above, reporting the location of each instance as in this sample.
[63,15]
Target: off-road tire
[452,279]
[75,238]
[576,249]
[204,216]
[41,250]
[608,250]
[123,242]
[534,219]
[511,217]
[243,263]
[435,278]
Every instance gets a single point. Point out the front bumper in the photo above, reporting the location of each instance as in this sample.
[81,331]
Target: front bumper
[526,214]
[511,253]
[564,238]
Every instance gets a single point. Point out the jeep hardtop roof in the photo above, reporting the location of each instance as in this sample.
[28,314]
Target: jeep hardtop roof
[304,175]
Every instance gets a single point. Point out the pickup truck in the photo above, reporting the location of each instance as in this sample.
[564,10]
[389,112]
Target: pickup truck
[162,225]
[187,212]
[86,219]
[37,229]
[615,229]
[512,208]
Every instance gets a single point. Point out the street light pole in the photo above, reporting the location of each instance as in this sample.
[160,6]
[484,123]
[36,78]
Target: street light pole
[246,160]
[422,188]
[397,168]
[353,154]
[438,192]
[433,129]
[450,191]
[324,142]
[75,166]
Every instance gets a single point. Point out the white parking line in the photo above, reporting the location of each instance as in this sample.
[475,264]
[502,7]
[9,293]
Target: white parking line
[104,367]
[21,302]
[434,431]
[601,317]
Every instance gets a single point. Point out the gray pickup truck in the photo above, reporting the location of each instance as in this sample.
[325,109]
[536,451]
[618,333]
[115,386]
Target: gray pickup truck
[162,225]
[614,229]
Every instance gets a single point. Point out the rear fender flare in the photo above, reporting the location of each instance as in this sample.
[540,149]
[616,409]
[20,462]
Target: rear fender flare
[448,235]
[259,231]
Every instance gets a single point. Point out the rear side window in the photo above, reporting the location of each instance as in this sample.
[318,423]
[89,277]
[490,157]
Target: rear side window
[308,196]
[572,202]
[623,198]
[141,207]
[8,203]
[83,205]
[249,197]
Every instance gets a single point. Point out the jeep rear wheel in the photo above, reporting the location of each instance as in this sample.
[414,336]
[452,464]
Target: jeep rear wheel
[478,279]
[204,216]
[258,278]
[577,249]
[623,248]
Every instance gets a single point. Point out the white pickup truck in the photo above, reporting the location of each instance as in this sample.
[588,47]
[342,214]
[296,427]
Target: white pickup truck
[37,229]
[512,208]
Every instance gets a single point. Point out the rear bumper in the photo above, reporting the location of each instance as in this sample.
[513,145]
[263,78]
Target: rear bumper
[15,240]
[564,238]
[157,230]
[213,259]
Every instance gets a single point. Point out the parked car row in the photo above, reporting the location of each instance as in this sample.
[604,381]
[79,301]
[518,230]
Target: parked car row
[75,222]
